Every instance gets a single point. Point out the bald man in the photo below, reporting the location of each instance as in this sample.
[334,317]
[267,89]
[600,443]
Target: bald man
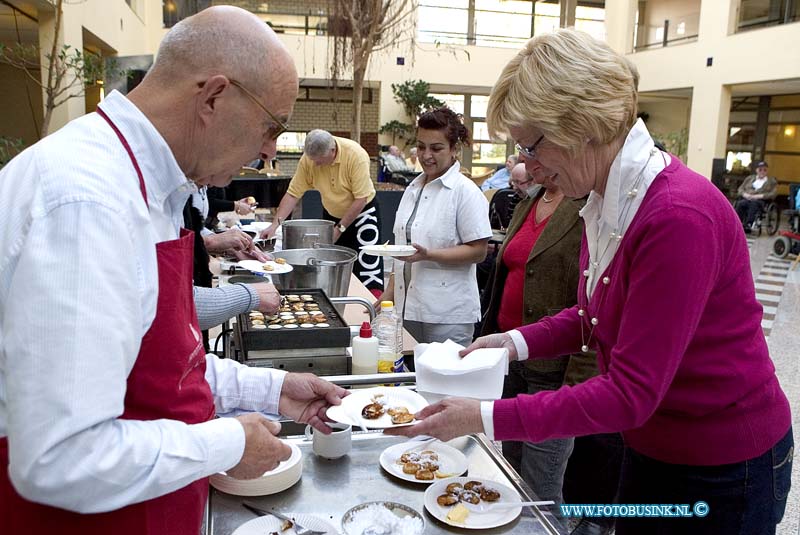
[107,399]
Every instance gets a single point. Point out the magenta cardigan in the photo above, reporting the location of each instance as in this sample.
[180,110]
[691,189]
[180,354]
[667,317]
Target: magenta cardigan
[685,371]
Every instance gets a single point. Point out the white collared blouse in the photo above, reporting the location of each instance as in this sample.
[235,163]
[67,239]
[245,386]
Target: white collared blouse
[452,211]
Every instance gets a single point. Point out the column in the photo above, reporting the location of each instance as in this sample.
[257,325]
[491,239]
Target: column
[708,125]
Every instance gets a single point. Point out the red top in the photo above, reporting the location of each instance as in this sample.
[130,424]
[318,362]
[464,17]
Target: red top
[515,256]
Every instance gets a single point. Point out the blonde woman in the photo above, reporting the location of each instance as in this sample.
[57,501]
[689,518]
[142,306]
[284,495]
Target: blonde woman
[665,298]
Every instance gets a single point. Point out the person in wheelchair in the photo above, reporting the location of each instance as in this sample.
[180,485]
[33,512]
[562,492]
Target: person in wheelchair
[754,193]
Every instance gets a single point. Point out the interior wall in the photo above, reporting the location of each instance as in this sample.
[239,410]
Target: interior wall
[667,115]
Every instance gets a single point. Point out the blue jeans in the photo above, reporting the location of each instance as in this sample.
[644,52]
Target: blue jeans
[542,464]
[746,498]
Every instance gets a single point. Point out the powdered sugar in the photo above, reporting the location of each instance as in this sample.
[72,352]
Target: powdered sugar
[382,520]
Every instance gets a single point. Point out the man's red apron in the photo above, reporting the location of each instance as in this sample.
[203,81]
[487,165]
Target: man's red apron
[167,381]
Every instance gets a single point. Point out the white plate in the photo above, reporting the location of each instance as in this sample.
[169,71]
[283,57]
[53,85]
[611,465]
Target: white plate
[281,478]
[258,267]
[389,250]
[255,226]
[475,520]
[451,461]
[349,411]
[270,524]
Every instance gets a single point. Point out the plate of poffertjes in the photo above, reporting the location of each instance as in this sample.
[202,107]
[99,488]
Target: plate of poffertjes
[423,464]
[446,500]
[378,408]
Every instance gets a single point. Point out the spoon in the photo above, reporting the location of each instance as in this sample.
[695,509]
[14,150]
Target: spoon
[481,508]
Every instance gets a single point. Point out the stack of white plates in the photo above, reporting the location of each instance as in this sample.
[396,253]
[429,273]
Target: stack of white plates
[284,476]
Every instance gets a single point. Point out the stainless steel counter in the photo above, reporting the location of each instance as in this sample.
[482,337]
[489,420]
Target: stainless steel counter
[329,488]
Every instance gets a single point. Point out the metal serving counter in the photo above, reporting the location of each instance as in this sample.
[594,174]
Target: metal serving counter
[328,488]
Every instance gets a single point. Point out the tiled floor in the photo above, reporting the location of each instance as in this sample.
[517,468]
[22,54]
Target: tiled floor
[778,289]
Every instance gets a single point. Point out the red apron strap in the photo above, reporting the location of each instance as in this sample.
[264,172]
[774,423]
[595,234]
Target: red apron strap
[124,141]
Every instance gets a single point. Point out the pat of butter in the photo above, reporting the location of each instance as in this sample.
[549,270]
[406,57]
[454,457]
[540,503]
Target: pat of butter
[458,514]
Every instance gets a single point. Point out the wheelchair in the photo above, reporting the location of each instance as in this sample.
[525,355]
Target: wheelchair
[789,240]
[767,218]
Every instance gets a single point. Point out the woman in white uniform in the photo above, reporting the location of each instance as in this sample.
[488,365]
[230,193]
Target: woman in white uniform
[445,217]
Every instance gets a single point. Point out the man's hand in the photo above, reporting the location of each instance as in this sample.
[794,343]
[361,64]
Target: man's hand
[262,448]
[493,340]
[269,232]
[230,240]
[305,398]
[336,234]
[448,419]
[269,300]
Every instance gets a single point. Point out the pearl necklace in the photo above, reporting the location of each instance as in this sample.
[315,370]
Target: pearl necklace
[545,199]
[593,265]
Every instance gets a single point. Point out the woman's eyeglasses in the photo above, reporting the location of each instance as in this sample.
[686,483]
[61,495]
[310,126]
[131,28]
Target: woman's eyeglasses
[529,152]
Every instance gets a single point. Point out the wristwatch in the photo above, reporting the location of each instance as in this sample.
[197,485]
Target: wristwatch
[340,227]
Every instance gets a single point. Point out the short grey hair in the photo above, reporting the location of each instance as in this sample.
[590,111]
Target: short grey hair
[318,143]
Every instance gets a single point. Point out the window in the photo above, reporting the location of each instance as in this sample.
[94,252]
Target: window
[664,23]
[454,102]
[484,154]
[760,13]
[291,142]
[443,21]
[502,23]
[592,20]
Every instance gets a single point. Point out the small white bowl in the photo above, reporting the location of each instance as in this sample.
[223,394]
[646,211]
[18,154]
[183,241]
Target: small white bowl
[398,509]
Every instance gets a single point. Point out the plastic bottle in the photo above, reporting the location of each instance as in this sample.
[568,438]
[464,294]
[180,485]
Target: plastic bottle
[365,351]
[388,328]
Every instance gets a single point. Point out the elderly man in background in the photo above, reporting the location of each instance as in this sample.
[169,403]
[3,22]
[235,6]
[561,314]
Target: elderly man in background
[339,169]
[500,179]
[753,194]
[108,403]
[395,161]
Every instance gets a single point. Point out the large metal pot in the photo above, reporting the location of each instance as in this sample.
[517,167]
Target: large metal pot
[307,233]
[328,267]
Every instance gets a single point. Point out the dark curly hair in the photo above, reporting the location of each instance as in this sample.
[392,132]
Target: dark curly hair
[445,119]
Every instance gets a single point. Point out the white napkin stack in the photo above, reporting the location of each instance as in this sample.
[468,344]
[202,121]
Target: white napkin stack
[441,371]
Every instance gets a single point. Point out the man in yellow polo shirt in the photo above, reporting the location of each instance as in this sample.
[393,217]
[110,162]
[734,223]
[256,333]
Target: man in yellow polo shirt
[339,169]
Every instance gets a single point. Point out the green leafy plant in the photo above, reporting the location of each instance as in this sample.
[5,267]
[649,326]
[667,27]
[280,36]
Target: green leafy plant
[9,147]
[397,129]
[413,95]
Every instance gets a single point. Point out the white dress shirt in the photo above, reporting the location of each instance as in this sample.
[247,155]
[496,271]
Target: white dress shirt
[78,291]
[200,202]
[451,212]
[606,221]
